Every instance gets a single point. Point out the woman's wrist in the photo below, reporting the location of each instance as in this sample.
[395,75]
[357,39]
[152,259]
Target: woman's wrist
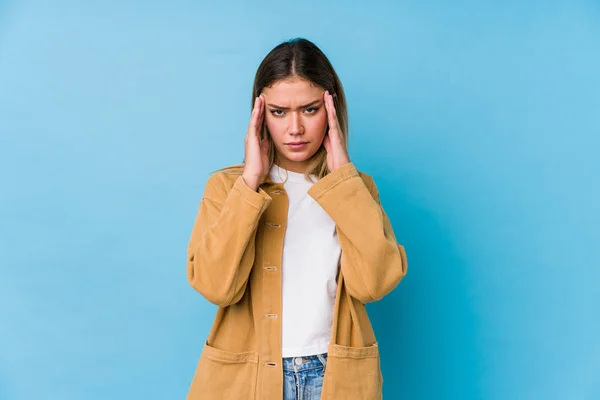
[251,182]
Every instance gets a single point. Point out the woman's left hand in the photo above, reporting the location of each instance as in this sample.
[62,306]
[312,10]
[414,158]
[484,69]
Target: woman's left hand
[337,154]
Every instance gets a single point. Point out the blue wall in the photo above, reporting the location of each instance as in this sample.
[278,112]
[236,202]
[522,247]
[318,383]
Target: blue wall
[479,122]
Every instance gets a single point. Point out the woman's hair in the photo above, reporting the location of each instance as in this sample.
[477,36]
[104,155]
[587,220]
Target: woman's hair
[300,58]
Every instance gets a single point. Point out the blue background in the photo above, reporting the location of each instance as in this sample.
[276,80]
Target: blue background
[478,120]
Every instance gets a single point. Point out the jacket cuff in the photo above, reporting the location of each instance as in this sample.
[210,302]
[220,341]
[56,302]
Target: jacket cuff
[259,200]
[332,179]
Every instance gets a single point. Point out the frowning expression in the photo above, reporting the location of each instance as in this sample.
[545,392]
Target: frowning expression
[296,119]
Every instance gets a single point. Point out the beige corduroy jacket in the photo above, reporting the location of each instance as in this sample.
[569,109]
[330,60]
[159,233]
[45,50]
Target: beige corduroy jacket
[234,260]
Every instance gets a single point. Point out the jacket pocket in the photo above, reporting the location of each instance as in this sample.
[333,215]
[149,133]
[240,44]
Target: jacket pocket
[224,375]
[353,373]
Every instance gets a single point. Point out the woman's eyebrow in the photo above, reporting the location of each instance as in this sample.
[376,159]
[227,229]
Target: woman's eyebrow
[312,103]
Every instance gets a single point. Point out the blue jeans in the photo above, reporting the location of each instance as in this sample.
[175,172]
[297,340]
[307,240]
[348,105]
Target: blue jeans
[303,377]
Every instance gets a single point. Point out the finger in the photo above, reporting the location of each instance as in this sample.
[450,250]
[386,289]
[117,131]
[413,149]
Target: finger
[332,116]
[255,113]
[261,114]
[327,144]
[251,133]
[251,123]
[331,104]
[330,109]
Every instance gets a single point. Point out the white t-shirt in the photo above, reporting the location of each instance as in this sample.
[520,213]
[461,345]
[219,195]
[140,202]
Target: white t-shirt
[311,254]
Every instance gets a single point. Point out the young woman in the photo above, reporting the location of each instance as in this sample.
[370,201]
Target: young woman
[291,244]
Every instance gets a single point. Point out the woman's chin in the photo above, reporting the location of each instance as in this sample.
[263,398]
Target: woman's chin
[298,156]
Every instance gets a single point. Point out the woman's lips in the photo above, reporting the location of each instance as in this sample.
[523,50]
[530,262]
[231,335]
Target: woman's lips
[296,146]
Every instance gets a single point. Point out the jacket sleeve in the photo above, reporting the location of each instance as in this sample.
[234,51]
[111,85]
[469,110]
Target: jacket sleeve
[221,249]
[372,262]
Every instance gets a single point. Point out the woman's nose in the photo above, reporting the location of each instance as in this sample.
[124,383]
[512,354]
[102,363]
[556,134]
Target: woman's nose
[296,124]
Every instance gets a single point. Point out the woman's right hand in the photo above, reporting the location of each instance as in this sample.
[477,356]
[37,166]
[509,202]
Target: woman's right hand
[256,158]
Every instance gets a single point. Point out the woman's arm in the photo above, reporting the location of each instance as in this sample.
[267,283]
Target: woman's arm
[221,248]
[372,262]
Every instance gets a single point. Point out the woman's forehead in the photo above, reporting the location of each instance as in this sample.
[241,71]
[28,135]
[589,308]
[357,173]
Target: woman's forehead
[292,94]
[293,89]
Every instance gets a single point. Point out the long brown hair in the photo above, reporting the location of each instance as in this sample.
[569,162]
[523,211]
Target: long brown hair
[301,58]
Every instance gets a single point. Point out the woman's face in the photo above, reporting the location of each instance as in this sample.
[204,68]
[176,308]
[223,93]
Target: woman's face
[295,113]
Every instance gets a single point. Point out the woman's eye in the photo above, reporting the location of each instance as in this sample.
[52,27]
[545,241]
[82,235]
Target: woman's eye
[310,110]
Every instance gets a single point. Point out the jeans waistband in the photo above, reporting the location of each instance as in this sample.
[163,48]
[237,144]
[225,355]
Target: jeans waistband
[308,362]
